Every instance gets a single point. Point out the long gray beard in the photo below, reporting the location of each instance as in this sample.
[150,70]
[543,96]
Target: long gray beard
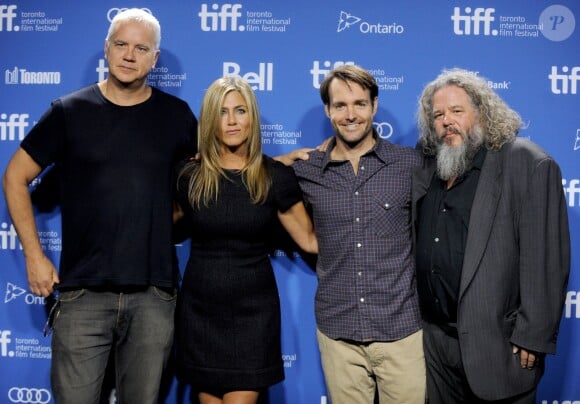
[453,162]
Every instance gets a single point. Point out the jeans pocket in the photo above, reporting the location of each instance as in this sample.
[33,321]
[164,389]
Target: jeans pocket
[165,294]
[71,295]
[63,298]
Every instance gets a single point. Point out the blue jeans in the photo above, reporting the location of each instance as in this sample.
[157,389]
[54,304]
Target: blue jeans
[137,328]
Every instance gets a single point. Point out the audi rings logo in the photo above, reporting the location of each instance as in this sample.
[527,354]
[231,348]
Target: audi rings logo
[114,11]
[27,395]
[384,129]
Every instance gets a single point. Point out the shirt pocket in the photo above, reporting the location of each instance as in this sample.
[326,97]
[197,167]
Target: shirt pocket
[391,214]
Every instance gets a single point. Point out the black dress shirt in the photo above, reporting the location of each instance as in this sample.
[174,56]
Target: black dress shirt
[443,222]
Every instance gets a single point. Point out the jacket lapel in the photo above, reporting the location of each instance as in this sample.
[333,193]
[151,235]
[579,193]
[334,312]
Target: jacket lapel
[483,211]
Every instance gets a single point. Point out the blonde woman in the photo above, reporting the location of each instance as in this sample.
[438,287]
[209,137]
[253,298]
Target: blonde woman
[233,198]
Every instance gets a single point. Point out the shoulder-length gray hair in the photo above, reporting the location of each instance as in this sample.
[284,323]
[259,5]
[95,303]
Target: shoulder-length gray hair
[500,123]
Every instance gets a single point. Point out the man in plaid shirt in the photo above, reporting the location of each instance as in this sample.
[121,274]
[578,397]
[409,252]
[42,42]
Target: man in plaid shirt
[359,192]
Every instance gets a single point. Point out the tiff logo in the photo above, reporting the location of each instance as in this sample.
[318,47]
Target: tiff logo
[463,24]
[222,20]
[318,72]
[571,305]
[12,126]
[4,341]
[572,189]
[102,70]
[8,14]
[565,82]
[8,237]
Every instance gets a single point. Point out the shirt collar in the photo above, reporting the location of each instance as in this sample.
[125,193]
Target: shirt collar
[479,158]
[381,149]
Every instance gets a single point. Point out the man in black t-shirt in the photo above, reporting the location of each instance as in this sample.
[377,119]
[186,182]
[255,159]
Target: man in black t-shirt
[115,145]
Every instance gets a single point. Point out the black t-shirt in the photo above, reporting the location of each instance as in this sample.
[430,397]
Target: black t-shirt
[116,170]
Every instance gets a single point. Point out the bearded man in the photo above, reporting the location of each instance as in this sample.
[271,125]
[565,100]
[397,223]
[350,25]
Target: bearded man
[492,246]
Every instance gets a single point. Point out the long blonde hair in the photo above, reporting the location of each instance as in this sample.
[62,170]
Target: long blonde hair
[205,174]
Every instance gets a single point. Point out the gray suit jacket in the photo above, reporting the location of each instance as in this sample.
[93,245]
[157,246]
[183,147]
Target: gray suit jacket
[515,268]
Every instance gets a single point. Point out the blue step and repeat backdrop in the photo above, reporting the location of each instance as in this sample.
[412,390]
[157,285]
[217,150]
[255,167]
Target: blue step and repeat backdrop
[528,50]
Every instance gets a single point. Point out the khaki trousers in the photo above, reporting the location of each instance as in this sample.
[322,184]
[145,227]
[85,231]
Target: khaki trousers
[355,371]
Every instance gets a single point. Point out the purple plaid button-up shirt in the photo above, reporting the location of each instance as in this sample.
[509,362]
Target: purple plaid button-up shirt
[366,271]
